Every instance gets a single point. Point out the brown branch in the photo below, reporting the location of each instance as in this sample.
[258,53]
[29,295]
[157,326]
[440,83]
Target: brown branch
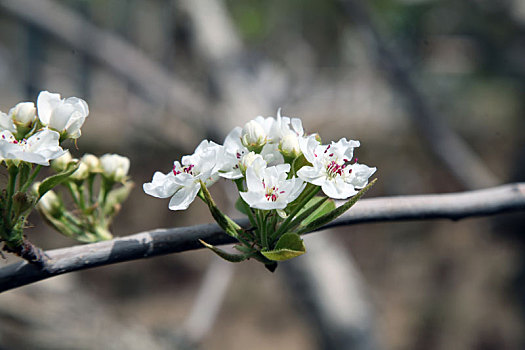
[453,206]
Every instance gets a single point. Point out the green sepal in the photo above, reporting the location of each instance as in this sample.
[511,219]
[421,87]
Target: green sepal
[326,218]
[57,179]
[240,205]
[228,225]
[288,246]
[225,255]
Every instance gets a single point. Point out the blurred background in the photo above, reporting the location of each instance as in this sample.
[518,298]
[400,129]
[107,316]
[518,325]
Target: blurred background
[434,90]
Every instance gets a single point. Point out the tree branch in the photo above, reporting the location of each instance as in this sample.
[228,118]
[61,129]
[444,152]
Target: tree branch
[453,206]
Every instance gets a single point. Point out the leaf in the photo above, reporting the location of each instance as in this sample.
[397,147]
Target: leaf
[228,225]
[330,216]
[325,207]
[288,246]
[57,179]
[225,255]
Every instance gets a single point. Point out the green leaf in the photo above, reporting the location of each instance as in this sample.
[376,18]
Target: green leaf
[325,207]
[225,255]
[330,216]
[57,179]
[288,246]
[228,225]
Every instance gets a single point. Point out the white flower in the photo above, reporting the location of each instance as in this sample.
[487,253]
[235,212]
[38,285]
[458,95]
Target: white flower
[183,183]
[114,166]
[39,148]
[269,188]
[50,203]
[23,113]
[64,115]
[331,168]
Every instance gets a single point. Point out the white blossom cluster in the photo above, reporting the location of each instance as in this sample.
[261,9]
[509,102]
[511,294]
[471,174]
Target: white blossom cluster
[273,158]
[33,134]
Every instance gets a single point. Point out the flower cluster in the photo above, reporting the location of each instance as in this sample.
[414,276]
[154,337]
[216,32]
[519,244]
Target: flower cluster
[30,137]
[278,170]
[95,202]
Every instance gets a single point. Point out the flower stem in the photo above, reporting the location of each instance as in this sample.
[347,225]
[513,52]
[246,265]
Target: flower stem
[31,178]
[284,226]
[11,183]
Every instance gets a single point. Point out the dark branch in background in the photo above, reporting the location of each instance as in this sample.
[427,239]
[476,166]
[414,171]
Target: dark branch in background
[446,145]
[146,76]
[453,206]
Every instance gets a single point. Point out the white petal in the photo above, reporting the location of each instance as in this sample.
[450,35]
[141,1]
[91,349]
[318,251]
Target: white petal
[162,186]
[183,198]
[46,102]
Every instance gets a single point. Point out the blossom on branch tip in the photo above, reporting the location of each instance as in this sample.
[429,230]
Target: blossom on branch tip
[24,113]
[332,168]
[63,115]
[182,184]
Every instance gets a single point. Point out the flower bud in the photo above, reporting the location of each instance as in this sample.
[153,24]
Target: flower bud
[289,146]
[253,136]
[60,164]
[81,173]
[114,167]
[23,113]
[248,159]
[51,204]
[92,162]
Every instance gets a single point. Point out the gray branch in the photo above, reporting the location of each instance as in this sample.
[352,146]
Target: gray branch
[453,206]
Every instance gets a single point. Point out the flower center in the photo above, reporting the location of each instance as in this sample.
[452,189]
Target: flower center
[272,193]
[188,169]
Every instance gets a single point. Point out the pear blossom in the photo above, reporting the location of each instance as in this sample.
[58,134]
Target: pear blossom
[182,184]
[60,164]
[114,167]
[332,169]
[40,148]
[92,162]
[64,115]
[269,188]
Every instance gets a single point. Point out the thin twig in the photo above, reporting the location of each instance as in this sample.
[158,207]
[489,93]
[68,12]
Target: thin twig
[453,206]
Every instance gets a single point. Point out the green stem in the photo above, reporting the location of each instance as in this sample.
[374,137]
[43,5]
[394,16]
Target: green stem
[74,194]
[284,226]
[31,178]
[11,184]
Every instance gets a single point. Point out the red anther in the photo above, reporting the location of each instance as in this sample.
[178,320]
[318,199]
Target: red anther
[331,155]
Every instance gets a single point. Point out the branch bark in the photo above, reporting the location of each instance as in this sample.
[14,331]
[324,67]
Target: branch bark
[452,206]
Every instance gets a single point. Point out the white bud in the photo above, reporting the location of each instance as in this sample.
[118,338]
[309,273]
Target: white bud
[92,162]
[81,173]
[253,135]
[23,113]
[114,167]
[289,146]
[50,203]
[60,164]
